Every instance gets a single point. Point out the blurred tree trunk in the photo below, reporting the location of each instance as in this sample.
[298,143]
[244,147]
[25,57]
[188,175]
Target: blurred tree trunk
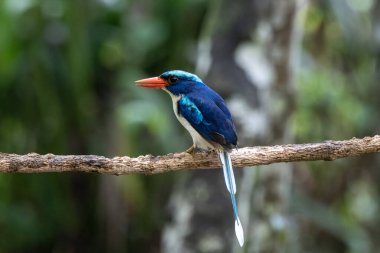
[252,58]
[111,204]
[91,97]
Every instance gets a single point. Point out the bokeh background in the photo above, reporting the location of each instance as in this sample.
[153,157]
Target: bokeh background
[291,71]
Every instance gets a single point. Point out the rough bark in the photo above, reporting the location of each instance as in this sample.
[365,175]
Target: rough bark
[148,164]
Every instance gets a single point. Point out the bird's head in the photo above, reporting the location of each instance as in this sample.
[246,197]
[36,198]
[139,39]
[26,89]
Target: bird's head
[175,81]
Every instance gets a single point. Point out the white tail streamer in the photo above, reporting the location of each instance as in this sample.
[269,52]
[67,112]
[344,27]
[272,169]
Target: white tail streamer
[225,172]
[229,179]
[239,232]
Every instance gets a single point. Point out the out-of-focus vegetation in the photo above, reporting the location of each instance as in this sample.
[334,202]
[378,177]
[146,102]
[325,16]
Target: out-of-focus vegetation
[338,99]
[66,86]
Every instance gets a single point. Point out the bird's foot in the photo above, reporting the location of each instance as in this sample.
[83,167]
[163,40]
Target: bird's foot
[193,150]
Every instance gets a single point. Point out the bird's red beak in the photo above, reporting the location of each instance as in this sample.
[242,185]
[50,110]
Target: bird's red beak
[152,82]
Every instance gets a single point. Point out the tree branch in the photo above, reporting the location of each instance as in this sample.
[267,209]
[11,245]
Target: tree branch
[148,164]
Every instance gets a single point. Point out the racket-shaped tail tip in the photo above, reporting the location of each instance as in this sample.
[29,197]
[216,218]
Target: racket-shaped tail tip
[239,232]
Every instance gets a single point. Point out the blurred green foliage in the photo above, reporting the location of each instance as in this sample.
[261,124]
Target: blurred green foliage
[66,86]
[67,72]
[336,100]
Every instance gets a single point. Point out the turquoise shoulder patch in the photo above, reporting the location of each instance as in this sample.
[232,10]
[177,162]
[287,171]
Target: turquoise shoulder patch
[190,110]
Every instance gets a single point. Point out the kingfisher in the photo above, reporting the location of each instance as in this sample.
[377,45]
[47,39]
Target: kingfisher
[206,117]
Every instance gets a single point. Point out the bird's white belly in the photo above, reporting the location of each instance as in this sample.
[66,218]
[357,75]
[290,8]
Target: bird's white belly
[198,140]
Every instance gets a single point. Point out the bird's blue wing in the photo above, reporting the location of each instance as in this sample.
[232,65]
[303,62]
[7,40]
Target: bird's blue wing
[205,115]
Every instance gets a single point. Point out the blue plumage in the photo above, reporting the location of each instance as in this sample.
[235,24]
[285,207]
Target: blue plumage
[198,99]
[181,75]
[205,115]
[215,125]
[190,111]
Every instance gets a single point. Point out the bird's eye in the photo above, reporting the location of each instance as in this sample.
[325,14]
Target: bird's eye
[173,79]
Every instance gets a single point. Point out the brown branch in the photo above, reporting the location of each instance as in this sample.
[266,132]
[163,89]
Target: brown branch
[148,164]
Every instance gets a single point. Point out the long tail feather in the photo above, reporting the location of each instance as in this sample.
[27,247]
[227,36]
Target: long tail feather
[229,179]
[228,173]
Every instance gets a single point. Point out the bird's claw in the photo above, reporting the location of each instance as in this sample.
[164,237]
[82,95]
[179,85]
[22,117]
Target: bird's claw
[193,150]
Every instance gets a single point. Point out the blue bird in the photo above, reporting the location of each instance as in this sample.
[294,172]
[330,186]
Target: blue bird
[205,115]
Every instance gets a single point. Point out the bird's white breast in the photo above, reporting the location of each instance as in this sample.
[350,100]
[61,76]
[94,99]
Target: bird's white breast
[198,140]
